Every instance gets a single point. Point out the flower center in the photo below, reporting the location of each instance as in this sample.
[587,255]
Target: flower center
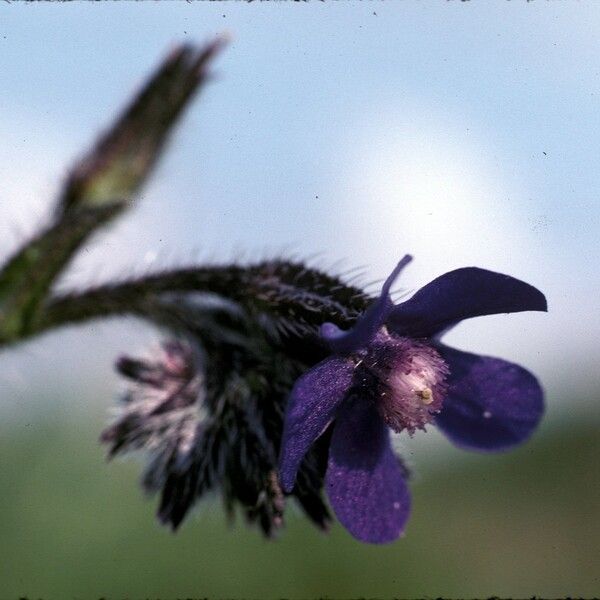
[410,378]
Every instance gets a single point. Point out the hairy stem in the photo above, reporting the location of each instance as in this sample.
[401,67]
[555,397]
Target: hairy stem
[288,292]
[27,277]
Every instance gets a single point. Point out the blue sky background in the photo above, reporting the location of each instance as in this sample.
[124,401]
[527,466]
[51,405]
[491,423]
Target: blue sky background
[465,133]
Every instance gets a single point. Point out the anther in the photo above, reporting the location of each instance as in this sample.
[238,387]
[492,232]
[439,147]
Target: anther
[426,395]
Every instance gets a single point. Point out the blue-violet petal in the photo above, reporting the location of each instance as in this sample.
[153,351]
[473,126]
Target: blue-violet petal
[491,404]
[365,480]
[462,294]
[311,407]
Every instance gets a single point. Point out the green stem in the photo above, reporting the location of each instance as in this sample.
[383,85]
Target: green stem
[26,279]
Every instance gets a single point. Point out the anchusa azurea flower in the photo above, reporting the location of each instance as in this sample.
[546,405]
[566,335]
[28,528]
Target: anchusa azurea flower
[390,371]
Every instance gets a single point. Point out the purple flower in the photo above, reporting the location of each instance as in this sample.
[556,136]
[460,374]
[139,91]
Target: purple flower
[391,371]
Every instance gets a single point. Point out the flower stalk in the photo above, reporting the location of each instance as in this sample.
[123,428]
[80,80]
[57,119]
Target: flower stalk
[293,295]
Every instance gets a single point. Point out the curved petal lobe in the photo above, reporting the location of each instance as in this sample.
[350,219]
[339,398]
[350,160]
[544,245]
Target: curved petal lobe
[365,480]
[461,294]
[366,327]
[311,407]
[491,405]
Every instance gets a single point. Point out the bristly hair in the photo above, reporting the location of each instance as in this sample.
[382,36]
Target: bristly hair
[209,407]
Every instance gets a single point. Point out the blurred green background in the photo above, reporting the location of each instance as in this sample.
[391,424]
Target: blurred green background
[465,133]
[515,525]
